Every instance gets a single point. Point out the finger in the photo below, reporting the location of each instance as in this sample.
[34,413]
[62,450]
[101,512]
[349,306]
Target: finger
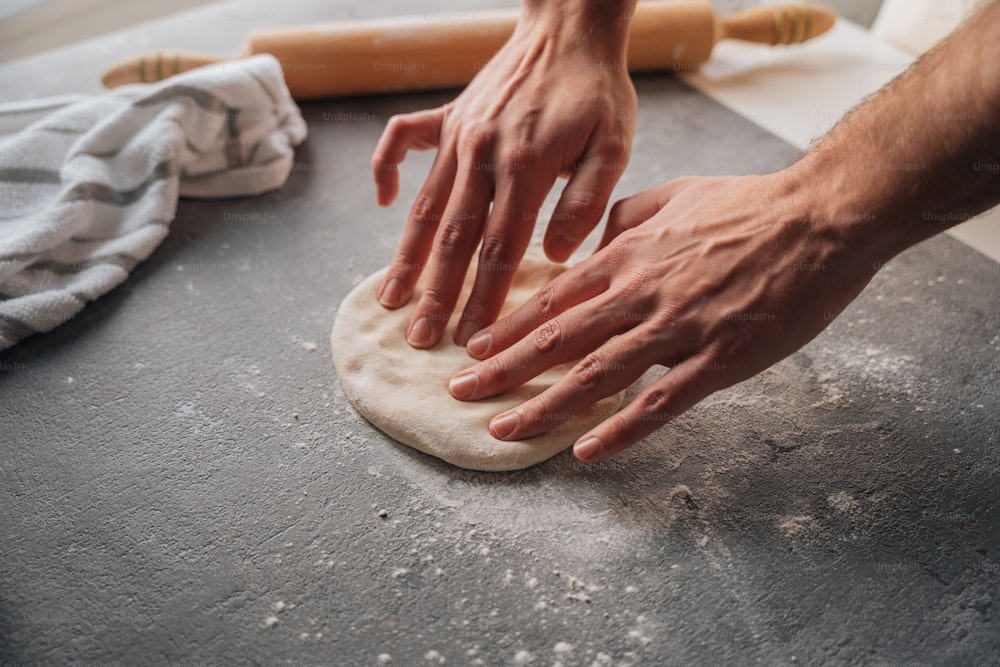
[504,242]
[584,281]
[605,371]
[418,237]
[637,209]
[454,244]
[419,131]
[676,391]
[563,338]
[583,200]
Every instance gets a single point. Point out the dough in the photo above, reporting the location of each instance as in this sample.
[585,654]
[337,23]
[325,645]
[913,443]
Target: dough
[404,392]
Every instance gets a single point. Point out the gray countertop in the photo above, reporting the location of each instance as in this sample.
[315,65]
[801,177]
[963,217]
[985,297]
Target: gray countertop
[183,481]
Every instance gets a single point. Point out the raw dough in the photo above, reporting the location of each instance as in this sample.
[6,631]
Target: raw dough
[404,392]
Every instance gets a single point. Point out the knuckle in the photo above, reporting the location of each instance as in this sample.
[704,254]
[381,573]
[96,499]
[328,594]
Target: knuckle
[496,255]
[653,406]
[423,213]
[547,337]
[396,124]
[627,242]
[669,315]
[624,429]
[497,371]
[615,148]
[516,158]
[479,139]
[635,283]
[545,301]
[381,163]
[590,372]
[453,238]
[714,358]
[434,299]
[404,265]
[586,203]
[511,331]
[541,410]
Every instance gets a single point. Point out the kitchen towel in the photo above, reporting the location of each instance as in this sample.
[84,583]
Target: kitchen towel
[90,184]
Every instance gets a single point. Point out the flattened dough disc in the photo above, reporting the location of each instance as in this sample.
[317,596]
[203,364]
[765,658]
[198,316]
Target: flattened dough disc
[404,392]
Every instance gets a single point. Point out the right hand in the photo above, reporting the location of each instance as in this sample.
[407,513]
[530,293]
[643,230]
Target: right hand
[716,278]
[550,103]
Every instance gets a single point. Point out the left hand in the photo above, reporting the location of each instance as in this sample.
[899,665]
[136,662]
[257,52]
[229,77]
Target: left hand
[716,278]
[549,103]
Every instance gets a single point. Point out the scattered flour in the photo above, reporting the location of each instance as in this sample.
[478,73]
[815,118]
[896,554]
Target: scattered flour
[841,501]
[798,526]
[637,636]
[523,658]
[434,656]
[563,650]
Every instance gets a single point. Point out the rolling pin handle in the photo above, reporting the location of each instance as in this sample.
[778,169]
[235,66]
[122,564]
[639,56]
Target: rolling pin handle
[778,24]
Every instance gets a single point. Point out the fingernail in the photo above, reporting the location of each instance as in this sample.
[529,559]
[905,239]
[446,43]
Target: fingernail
[479,344]
[562,246]
[463,385]
[391,293]
[465,331]
[502,426]
[587,450]
[420,333]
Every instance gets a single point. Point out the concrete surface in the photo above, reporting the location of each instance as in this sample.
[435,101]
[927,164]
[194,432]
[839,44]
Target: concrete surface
[183,482]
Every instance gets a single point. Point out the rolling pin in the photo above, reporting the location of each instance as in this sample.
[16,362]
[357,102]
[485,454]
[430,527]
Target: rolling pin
[421,53]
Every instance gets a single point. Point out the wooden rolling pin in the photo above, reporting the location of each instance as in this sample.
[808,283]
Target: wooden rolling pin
[402,54]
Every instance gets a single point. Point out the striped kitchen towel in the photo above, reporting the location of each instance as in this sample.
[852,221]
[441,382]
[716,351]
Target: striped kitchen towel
[89,184]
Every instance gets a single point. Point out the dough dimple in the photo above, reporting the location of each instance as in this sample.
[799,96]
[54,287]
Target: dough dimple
[403,391]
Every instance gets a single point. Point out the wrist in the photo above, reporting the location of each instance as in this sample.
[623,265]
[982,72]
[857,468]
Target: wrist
[599,27]
[863,207]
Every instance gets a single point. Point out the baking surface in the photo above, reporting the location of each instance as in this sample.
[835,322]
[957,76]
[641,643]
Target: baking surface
[182,479]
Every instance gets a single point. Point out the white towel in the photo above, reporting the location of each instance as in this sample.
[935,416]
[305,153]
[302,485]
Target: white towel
[89,184]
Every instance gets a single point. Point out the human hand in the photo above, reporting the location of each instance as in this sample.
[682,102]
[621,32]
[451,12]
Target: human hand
[716,278]
[550,103]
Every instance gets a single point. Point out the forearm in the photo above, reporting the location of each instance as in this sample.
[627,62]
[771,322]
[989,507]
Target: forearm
[923,154]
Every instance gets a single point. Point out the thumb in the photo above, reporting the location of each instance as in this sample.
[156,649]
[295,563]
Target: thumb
[640,207]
